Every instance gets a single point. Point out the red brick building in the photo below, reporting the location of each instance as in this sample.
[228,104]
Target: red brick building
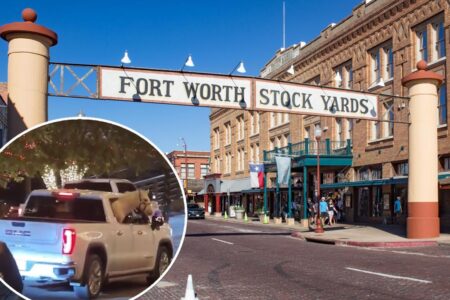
[197,166]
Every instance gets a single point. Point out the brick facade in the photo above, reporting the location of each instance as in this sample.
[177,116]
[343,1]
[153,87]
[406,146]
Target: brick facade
[380,41]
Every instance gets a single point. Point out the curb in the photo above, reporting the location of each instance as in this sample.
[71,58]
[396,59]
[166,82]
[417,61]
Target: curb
[395,244]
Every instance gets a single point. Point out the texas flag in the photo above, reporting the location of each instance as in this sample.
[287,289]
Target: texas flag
[257,175]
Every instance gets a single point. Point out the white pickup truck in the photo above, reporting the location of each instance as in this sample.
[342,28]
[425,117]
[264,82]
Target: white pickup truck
[75,235]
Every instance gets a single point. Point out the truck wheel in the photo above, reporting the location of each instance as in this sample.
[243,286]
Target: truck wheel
[93,278]
[163,259]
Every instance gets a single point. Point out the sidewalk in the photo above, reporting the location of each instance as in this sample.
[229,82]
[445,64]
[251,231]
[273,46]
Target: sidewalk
[359,235]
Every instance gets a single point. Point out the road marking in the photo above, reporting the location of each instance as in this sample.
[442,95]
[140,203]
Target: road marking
[389,276]
[409,253]
[223,241]
[241,229]
[165,284]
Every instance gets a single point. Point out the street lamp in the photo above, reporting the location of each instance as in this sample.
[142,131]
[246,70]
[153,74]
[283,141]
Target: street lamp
[185,167]
[318,134]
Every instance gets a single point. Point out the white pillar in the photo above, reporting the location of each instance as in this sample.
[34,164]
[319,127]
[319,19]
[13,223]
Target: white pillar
[423,202]
[28,57]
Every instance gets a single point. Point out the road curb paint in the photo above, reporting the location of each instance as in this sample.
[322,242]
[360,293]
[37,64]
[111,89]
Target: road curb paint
[378,244]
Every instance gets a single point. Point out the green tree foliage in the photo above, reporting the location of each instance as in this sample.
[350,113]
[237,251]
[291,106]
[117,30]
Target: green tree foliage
[101,147]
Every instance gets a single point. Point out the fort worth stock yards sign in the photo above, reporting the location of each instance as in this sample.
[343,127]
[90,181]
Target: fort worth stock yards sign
[234,92]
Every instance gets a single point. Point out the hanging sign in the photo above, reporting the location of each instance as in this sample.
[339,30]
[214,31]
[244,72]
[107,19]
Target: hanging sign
[312,100]
[175,88]
[222,91]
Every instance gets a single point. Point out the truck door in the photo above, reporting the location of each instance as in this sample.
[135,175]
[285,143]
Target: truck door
[143,242]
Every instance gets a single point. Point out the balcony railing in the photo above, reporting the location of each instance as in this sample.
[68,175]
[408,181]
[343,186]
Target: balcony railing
[310,147]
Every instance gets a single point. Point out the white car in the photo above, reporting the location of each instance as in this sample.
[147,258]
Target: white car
[87,238]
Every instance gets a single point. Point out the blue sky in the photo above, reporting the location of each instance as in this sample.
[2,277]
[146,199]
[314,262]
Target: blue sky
[160,34]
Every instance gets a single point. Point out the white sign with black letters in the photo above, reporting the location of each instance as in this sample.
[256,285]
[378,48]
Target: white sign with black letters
[311,100]
[172,87]
[175,88]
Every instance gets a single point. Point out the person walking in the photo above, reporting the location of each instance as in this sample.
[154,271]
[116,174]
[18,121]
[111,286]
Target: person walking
[331,211]
[397,209]
[323,209]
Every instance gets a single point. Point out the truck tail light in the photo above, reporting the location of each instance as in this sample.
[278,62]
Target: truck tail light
[69,237]
[65,195]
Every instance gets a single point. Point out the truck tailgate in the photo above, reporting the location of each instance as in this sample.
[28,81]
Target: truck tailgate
[31,236]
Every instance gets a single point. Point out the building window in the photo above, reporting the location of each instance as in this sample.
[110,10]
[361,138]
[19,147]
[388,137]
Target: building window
[240,160]
[306,132]
[228,133]
[257,120]
[256,158]
[442,105]
[364,174]
[344,76]
[254,123]
[375,67]
[217,164]
[430,40]
[191,171]
[376,172]
[273,120]
[228,163]
[240,127]
[338,130]
[204,170]
[421,44]
[272,143]
[439,37]
[375,132]
[446,163]
[402,168]
[389,62]
[216,138]
[381,66]
[388,115]
[348,129]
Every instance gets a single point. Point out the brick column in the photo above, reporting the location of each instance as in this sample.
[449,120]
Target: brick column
[28,56]
[218,209]
[423,217]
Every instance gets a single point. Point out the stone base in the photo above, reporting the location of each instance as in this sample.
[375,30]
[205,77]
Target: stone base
[305,223]
[290,221]
[277,220]
[423,220]
[422,228]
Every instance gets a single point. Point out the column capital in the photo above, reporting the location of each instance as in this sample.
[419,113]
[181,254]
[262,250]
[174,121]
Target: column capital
[422,74]
[28,26]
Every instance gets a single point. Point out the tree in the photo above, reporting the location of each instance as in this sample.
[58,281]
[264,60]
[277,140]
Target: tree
[100,148]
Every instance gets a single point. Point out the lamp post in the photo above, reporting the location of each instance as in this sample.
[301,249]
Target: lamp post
[318,134]
[185,168]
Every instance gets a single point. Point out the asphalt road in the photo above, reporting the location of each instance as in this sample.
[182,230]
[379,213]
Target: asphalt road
[231,261]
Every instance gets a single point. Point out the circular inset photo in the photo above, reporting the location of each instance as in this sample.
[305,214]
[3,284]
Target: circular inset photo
[88,209]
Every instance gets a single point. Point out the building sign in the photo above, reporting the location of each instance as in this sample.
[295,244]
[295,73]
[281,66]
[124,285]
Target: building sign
[171,87]
[175,88]
[314,100]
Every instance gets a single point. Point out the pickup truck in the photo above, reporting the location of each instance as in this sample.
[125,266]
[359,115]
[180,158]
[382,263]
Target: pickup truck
[102,184]
[87,238]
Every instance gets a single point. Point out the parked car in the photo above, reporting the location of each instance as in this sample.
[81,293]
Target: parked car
[195,211]
[9,273]
[86,238]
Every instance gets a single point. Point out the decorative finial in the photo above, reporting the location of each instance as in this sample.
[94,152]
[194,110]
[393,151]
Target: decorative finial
[29,15]
[422,65]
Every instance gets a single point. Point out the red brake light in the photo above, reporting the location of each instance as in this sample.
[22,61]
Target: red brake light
[69,237]
[65,195]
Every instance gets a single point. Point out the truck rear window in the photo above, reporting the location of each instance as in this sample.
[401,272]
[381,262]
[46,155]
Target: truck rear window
[90,185]
[77,209]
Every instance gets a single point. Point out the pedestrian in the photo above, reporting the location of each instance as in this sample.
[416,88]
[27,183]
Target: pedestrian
[331,211]
[397,209]
[340,208]
[323,210]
